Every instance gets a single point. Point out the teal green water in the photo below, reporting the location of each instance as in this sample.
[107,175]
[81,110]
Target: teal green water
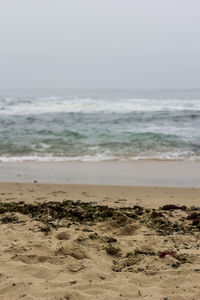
[99,125]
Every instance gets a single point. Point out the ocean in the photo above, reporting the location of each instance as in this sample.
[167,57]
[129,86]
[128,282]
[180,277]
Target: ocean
[99,125]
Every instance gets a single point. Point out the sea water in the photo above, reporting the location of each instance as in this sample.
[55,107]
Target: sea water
[97,125]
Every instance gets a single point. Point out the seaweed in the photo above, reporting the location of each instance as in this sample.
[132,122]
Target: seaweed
[173,207]
[53,214]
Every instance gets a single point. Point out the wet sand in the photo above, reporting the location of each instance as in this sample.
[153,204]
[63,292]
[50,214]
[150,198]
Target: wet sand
[77,251]
[132,173]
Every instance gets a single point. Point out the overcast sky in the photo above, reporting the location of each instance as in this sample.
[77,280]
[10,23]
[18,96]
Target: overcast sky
[99,44]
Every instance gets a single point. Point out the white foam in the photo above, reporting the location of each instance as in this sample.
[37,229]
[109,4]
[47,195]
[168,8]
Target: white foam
[88,105]
[98,157]
[85,158]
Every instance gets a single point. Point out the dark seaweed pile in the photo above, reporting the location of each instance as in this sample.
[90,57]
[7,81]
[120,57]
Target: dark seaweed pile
[164,220]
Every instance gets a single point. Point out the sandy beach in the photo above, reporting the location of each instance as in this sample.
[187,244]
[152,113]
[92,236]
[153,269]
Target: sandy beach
[99,150]
[76,242]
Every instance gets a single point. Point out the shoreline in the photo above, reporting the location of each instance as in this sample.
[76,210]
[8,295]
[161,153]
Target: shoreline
[125,173]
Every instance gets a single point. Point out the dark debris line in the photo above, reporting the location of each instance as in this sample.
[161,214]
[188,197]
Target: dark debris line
[49,212]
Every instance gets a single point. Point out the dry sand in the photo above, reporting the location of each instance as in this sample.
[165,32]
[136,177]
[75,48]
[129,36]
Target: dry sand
[46,256]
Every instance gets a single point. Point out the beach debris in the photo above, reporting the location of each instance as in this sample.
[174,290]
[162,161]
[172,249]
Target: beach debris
[176,265]
[166,252]
[63,214]
[173,207]
[45,228]
[85,229]
[119,220]
[138,210]
[129,262]
[9,218]
[149,252]
[180,257]
[193,216]
[94,236]
[194,208]
[140,269]
[196,223]
[111,250]
[156,214]
[108,239]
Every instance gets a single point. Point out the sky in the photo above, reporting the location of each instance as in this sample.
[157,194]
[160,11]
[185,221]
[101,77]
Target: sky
[121,44]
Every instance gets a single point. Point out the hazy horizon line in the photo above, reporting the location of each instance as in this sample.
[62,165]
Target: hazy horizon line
[104,89]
